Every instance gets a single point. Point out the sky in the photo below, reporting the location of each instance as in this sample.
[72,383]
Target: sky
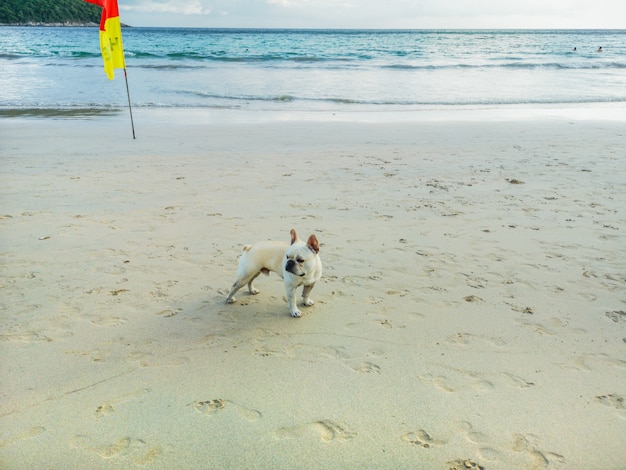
[392,14]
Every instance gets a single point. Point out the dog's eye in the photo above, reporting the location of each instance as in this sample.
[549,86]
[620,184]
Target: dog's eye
[300,260]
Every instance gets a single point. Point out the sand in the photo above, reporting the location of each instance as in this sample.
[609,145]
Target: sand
[472,311]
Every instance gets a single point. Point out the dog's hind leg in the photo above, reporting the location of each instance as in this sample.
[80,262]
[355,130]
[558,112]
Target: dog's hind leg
[230,298]
[239,283]
[251,288]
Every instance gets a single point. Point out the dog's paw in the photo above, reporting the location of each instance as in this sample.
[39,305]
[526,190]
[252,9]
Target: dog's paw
[230,300]
[308,302]
[296,314]
[254,291]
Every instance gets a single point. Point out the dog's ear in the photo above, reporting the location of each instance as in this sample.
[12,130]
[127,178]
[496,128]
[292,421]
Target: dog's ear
[294,236]
[313,244]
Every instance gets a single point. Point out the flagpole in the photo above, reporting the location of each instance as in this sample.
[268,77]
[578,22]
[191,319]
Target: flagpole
[130,109]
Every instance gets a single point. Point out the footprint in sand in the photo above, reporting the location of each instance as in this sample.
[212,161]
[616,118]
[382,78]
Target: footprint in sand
[136,451]
[468,339]
[401,293]
[356,364]
[473,299]
[109,321]
[354,280]
[516,308]
[476,282]
[463,464]
[538,458]
[168,313]
[148,358]
[212,338]
[467,381]
[422,438]
[104,410]
[549,329]
[27,434]
[108,407]
[211,407]
[368,368]
[28,337]
[105,451]
[117,292]
[473,436]
[618,316]
[590,362]
[614,401]
[266,351]
[327,431]
[94,355]
[47,335]
[441,382]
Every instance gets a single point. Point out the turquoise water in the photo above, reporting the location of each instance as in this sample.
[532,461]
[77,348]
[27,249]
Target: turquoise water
[61,68]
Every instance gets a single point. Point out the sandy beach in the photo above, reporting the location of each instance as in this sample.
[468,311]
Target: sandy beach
[471,314]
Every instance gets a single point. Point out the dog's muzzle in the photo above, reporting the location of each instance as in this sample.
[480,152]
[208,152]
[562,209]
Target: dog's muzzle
[292,267]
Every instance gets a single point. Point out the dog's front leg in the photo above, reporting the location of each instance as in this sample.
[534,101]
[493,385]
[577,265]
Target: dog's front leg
[305,295]
[291,300]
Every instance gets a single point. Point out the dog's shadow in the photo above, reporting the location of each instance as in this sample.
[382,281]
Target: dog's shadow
[213,316]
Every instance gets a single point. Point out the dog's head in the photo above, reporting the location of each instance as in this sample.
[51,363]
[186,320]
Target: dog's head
[301,258]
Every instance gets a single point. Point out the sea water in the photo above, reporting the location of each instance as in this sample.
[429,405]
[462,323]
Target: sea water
[61,68]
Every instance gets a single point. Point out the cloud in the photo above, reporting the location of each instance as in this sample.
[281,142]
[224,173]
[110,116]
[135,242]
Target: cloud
[287,3]
[185,7]
[375,13]
[319,5]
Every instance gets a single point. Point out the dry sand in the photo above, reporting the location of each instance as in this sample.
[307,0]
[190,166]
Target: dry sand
[472,312]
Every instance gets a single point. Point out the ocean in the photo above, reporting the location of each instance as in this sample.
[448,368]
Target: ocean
[51,68]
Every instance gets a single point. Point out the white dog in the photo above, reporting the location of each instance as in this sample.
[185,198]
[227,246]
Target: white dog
[297,263]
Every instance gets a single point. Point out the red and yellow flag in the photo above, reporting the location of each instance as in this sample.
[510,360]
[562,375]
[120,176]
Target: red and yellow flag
[110,37]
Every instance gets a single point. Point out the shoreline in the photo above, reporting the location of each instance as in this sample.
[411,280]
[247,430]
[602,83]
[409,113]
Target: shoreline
[471,310]
[579,111]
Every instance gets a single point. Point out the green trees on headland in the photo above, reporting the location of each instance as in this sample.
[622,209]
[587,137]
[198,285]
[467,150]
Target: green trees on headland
[48,11]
